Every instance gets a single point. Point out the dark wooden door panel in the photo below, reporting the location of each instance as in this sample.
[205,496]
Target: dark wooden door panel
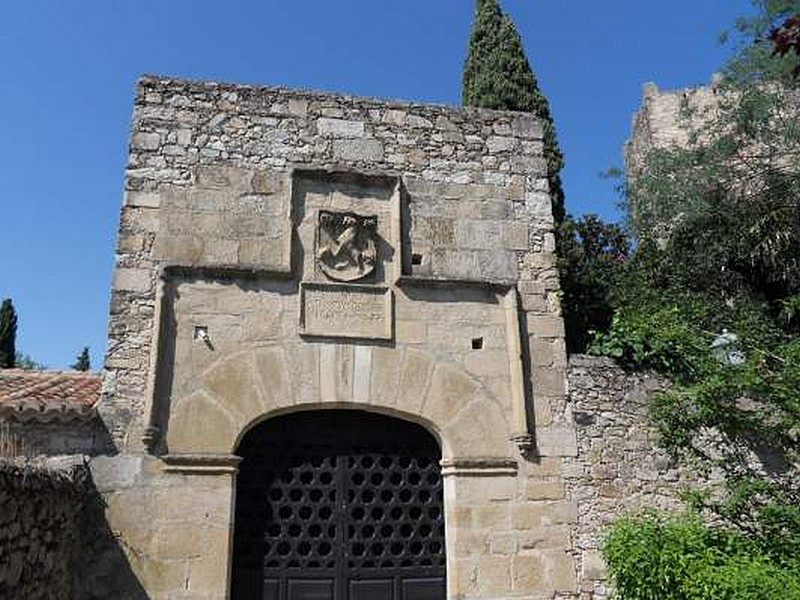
[432,588]
[380,589]
[339,505]
[310,589]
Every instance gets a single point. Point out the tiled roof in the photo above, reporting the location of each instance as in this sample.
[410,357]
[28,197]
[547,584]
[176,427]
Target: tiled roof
[48,395]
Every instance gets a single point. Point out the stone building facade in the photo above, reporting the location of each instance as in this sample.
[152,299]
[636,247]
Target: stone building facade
[291,259]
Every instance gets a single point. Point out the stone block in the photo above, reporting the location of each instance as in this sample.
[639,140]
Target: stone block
[516,236]
[594,566]
[560,569]
[497,143]
[394,117]
[130,243]
[544,466]
[164,575]
[542,352]
[470,542]
[414,377]
[366,150]
[179,249]
[546,537]
[298,107]
[133,280]
[340,128]
[198,425]
[464,583]
[273,375]
[115,472]
[410,332]
[479,234]
[526,126]
[479,430]
[491,516]
[545,490]
[546,326]
[531,515]
[504,543]
[385,376]
[145,141]
[556,440]
[208,574]
[449,392]
[549,381]
[529,573]
[143,199]
[494,576]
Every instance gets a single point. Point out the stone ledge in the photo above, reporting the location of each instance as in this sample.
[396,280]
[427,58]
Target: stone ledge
[201,464]
[489,466]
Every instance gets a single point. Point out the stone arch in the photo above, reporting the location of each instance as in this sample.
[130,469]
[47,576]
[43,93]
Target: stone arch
[238,391]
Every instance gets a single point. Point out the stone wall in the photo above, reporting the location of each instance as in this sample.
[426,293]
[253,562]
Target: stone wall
[211,170]
[54,438]
[41,516]
[618,469]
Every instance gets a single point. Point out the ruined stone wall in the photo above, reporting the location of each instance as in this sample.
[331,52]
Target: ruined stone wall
[665,118]
[41,515]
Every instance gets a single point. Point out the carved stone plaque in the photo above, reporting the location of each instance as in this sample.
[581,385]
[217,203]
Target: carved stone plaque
[346,245]
[346,311]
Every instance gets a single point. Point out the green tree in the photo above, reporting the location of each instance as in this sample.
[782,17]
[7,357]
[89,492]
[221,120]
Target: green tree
[82,362]
[24,361]
[8,334]
[592,257]
[497,75]
[718,248]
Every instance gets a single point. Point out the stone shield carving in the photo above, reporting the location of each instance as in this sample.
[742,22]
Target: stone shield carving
[346,245]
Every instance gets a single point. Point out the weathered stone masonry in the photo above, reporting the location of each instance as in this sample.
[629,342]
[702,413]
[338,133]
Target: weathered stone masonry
[218,238]
[41,510]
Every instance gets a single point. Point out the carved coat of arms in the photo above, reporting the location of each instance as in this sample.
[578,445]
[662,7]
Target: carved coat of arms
[346,245]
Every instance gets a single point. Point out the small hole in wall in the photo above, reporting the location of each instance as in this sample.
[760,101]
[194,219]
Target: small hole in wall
[416,259]
[477,343]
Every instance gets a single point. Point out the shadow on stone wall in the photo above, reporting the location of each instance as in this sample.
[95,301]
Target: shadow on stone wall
[102,570]
[54,542]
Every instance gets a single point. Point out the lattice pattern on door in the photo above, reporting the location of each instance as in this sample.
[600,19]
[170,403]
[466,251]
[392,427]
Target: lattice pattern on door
[339,504]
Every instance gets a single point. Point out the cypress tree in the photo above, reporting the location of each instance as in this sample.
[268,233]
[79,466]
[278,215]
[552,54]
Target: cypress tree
[8,335]
[497,75]
[82,362]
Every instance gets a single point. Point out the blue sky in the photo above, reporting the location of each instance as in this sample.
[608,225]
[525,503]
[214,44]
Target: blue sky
[67,73]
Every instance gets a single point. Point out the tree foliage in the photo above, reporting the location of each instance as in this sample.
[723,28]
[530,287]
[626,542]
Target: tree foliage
[592,257]
[718,228]
[24,361]
[676,557]
[82,361]
[497,75]
[8,334]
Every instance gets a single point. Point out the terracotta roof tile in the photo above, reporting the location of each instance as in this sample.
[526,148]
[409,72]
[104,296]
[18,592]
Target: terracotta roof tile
[48,395]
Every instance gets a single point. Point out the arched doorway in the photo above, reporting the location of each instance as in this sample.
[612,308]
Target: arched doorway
[339,505]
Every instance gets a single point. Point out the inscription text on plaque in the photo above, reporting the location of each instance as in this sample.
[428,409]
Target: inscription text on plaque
[349,311]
